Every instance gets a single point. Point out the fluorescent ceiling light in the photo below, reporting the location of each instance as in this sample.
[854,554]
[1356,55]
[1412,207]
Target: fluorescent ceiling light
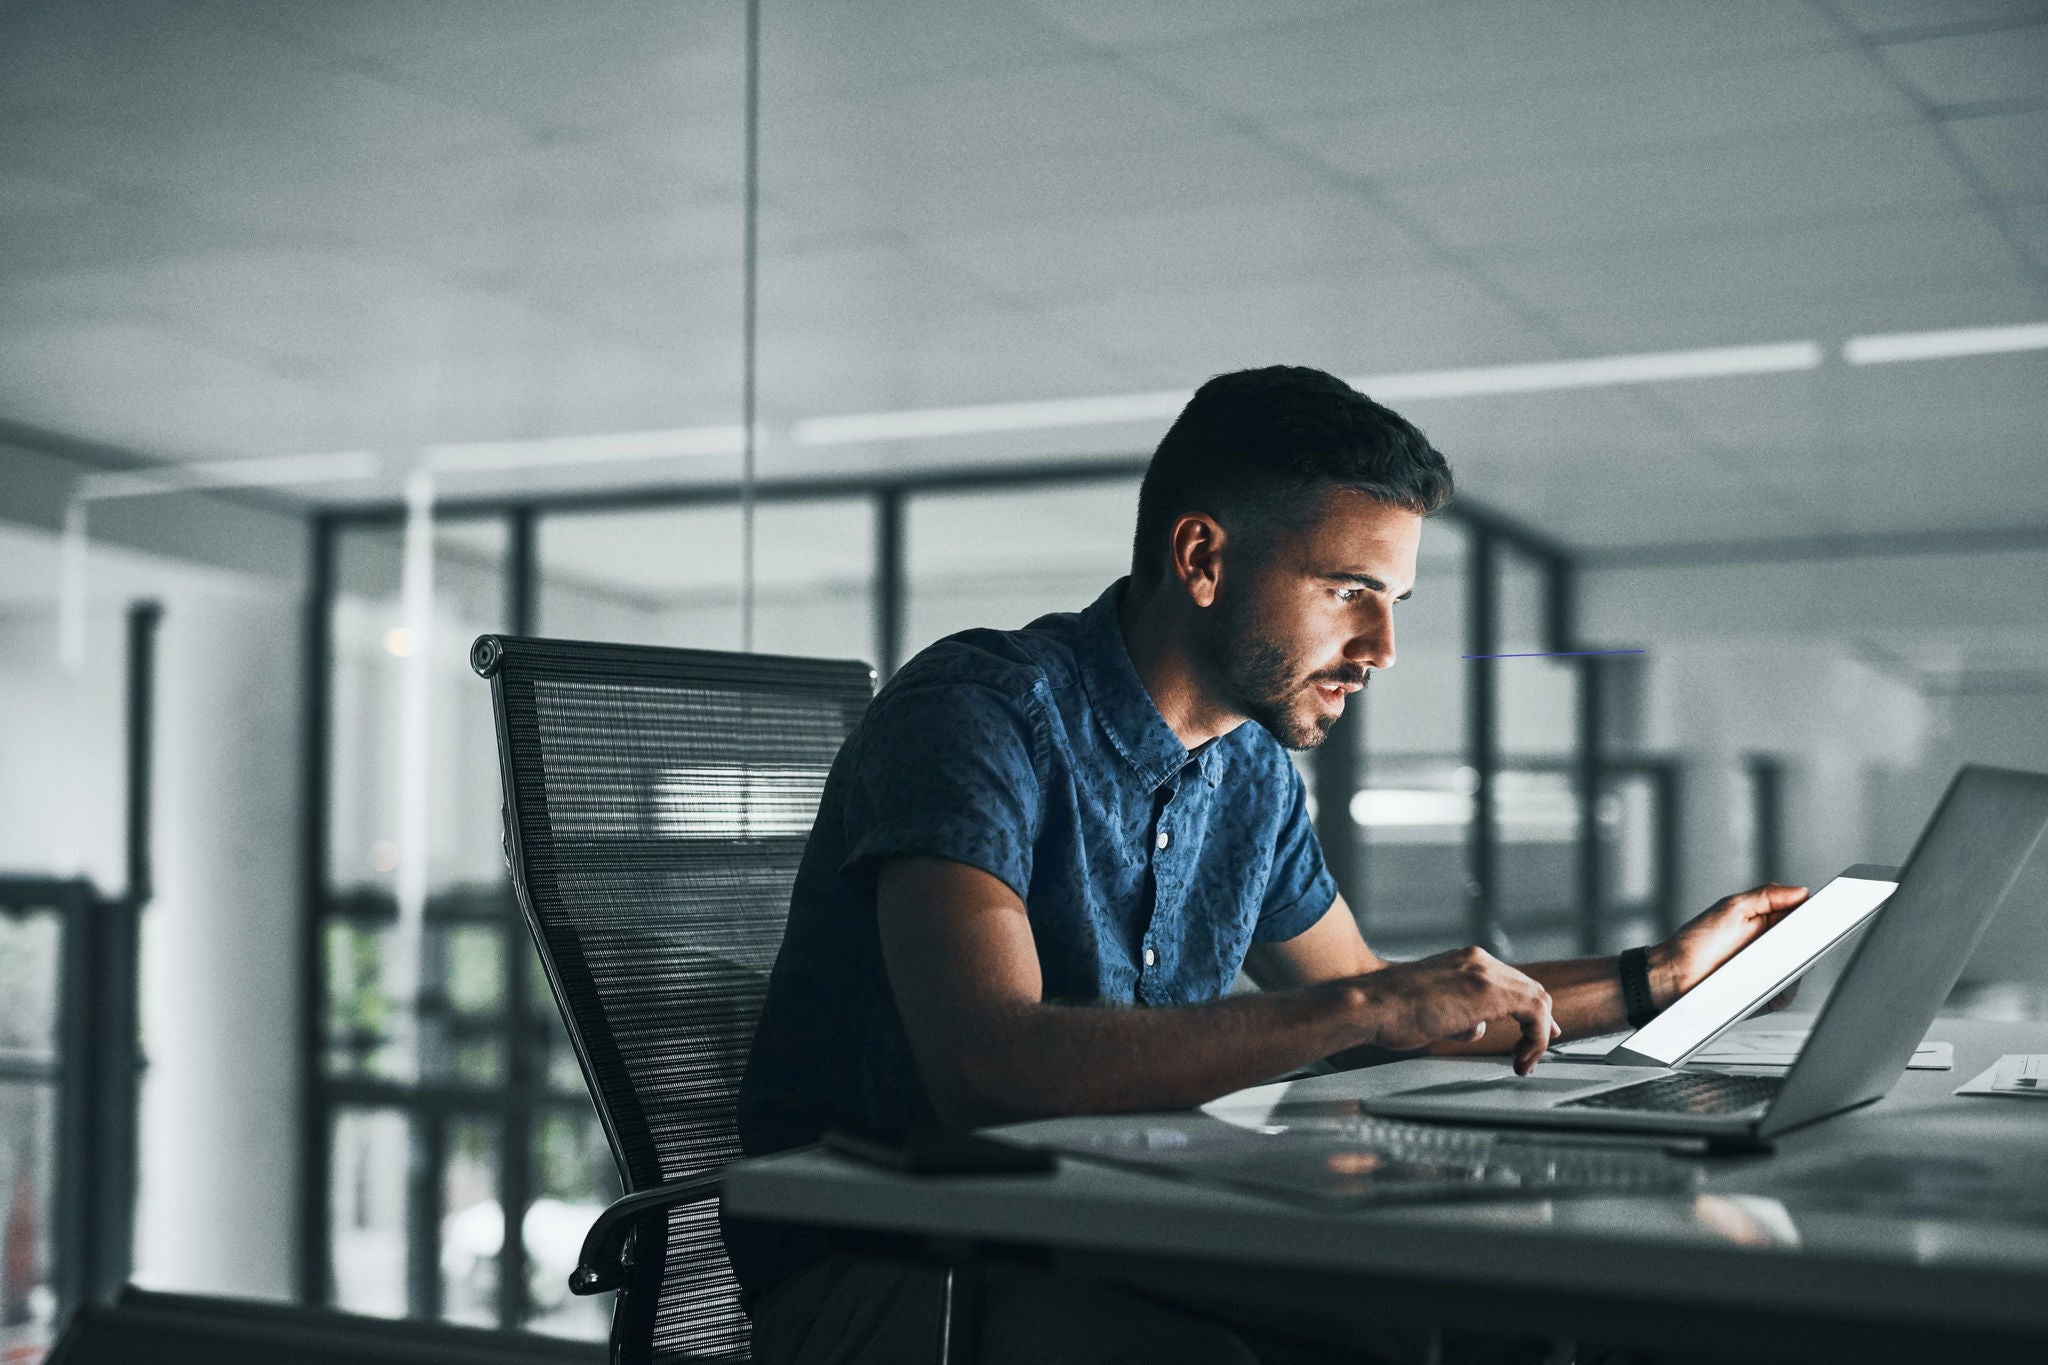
[1598,372]
[1165,404]
[918,423]
[333,467]
[668,443]
[1889,347]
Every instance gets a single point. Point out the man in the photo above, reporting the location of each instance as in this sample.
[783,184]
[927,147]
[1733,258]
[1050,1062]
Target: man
[1043,856]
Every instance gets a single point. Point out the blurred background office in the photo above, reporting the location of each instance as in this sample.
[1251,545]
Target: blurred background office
[333,335]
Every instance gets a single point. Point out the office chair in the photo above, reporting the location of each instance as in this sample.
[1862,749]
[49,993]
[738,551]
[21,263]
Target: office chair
[657,802]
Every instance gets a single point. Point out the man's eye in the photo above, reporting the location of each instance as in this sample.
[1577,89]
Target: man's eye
[1349,594]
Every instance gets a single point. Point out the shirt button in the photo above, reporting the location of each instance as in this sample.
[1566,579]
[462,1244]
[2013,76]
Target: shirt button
[1165,838]
[1150,957]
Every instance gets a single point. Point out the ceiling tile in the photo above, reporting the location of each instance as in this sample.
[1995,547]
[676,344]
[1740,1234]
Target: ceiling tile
[1791,178]
[1770,274]
[2030,221]
[28,194]
[2011,150]
[180,95]
[1973,68]
[1882,17]
[537,64]
[1182,249]
[1350,323]
[1410,54]
[1081,185]
[1623,110]
[1130,24]
[942,129]
[821,45]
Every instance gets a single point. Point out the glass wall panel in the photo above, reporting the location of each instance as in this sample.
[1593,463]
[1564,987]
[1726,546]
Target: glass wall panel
[28,1302]
[369,1163]
[1003,557]
[29,946]
[1416,802]
[371,642]
[671,576]
[1536,802]
[472,1223]
[378,1021]
[574,1178]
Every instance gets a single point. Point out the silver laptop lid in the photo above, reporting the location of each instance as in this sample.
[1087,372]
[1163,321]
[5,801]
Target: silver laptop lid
[1982,834]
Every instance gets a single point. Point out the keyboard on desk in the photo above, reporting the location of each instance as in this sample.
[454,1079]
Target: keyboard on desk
[1688,1092]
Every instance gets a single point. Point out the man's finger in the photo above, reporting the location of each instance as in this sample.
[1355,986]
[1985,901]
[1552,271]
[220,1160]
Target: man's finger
[1537,1031]
[1778,899]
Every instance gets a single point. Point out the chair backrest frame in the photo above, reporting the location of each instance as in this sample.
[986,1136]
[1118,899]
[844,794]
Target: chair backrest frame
[825,698]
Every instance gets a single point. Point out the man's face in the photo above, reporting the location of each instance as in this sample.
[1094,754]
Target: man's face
[1293,633]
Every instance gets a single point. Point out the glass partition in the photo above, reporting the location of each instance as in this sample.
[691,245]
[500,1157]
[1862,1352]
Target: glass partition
[1003,557]
[1537,798]
[1413,809]
[671,576]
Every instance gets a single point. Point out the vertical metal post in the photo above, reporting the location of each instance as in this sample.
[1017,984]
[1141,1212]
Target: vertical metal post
[143,618]
[314,1271]
[525,1045]
[1767,815]
[1482,739]
[75,1198]
[750,312]
[1589,753]
[423,1200]
[522,571]
[1670,822]
[890,588]
[1339,773]
[1589,771]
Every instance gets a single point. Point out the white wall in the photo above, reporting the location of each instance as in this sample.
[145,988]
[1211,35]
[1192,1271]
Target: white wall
[217,1195]
[1873,676]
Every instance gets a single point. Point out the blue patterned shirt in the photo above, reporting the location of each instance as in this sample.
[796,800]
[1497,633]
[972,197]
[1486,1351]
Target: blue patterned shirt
[1037,756]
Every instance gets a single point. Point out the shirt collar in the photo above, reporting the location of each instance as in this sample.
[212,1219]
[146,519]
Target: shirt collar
[1122,705]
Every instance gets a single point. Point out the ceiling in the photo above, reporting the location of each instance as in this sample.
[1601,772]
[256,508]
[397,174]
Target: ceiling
[234,229]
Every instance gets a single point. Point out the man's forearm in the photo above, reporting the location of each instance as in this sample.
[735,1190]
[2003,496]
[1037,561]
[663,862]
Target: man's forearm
[1585,999]
[1032,1060]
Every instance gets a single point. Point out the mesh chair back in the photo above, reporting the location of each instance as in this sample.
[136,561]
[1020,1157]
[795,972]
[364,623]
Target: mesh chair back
[657,804]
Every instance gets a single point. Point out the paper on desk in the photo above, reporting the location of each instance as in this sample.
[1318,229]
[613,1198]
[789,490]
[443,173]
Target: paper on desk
[2016,1073]
[1761,1047]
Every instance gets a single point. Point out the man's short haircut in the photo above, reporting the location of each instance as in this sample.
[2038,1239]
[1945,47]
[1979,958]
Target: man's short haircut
[1259,449]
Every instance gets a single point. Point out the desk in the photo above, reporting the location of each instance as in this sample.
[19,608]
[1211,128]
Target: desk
[1742,1268]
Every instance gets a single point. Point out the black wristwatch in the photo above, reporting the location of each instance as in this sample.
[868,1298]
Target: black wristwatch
[1636,997]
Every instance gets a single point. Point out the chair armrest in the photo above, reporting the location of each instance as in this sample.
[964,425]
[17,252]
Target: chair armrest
[604,1262]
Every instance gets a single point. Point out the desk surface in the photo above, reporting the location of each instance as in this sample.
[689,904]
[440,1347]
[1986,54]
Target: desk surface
[1741,1243]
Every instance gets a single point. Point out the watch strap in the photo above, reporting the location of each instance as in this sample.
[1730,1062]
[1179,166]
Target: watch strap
[1636,997]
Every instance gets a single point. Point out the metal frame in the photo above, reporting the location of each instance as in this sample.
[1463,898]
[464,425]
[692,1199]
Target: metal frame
[523,1099]
[95,1072]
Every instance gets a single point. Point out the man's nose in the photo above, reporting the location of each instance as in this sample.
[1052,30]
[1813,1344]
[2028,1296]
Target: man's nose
[1373,644]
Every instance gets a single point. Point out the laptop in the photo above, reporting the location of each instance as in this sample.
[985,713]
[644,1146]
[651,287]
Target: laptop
[1987,826]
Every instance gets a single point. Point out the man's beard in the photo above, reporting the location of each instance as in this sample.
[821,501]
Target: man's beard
[1261,681]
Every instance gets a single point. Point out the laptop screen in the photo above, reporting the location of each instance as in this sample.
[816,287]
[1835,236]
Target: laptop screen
[1760,971]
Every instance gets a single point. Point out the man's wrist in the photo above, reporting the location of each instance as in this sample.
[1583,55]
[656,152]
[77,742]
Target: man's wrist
[1666,981]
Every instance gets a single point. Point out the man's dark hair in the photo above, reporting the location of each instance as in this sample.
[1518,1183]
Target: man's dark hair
[1258,449]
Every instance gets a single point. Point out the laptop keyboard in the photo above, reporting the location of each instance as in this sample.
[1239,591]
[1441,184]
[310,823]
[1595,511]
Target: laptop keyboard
[1689,1092]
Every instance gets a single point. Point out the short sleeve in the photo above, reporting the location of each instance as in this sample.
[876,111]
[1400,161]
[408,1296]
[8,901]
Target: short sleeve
[946,770]
[1299,889]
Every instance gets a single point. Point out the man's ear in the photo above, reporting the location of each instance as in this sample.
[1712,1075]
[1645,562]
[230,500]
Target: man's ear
[1196,544]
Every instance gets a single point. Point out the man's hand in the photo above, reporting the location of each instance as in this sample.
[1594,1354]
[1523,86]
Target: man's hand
[1450,997]
[1689,956]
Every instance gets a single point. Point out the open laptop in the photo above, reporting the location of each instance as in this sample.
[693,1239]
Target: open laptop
[1972,851]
